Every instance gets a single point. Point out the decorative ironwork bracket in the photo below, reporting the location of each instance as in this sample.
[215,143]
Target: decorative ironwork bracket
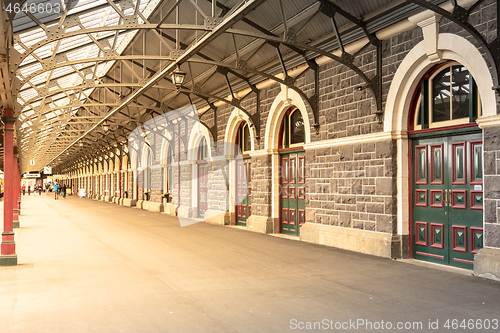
[314,99]
[212,129]
[375,83]
[256,116]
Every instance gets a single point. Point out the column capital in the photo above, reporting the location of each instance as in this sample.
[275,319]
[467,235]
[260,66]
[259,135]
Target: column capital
[8,116]
[9,120]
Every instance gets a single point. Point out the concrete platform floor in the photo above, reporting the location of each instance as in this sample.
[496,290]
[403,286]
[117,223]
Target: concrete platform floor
[88,266]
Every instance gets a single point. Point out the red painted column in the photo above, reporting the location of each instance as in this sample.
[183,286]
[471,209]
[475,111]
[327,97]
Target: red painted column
[8,246]
[17,187]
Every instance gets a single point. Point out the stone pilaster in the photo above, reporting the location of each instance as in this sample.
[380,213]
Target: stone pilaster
[487,260]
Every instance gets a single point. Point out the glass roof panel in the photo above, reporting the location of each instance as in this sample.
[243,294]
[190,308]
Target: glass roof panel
[87,14]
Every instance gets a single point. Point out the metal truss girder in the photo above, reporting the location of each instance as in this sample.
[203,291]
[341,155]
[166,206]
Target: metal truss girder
[311,100]
[330,9]
[313,49]
[54,64]
[206,96]
[80,88]
[58,21]
[460,16]
[124,28]
[227,22]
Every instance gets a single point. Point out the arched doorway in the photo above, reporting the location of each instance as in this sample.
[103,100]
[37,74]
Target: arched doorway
[147,162]
[446,181]
[202,170]
[243,193]
[168,159]
[292,172]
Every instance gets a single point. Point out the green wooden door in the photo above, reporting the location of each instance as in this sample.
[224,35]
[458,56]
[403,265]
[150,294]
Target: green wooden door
[292,194]
[447,199]
[202,189]
[243,191]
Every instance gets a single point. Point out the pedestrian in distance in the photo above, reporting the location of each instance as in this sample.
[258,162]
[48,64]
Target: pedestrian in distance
[63,190]
[39,189]
[29,190]
[56,191]
[24,189]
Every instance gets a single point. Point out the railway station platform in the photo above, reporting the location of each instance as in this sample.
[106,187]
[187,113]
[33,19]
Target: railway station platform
[89,266]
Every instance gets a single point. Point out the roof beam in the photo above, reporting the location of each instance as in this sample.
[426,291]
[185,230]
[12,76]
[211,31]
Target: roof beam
[227,22]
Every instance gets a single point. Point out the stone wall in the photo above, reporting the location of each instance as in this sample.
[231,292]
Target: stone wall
[352,186]
[218,185]
[492,186]
[261,183]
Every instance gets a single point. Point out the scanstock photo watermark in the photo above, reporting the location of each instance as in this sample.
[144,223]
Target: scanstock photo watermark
[366,325]
[178,145]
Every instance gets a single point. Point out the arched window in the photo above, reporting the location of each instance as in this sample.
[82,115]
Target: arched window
[448,96]
[293,129]
[202,150]
[243,138]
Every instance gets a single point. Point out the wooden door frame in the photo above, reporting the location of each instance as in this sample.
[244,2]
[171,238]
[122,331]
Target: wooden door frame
[282,151]
[245,158]
[471,128]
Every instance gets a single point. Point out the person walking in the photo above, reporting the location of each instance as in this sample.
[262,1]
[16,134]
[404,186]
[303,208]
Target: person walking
[24,189]
[63,190]
[29,190]
[55,189]
[39,189]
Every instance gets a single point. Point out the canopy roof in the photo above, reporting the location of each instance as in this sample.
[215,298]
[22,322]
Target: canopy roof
[98,62]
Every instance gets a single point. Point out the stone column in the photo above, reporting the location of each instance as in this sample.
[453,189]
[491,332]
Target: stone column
[8,255]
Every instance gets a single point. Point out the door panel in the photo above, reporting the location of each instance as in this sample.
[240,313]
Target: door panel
[243,191]
[202,189]
[447,199]
[292,193]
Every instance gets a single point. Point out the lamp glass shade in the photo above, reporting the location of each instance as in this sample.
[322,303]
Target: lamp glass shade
[178,77]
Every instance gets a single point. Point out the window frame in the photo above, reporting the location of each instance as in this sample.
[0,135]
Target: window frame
[240,138]
[286,140]
[425,98]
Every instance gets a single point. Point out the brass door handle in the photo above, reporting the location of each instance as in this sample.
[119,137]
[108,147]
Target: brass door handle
[445,197]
